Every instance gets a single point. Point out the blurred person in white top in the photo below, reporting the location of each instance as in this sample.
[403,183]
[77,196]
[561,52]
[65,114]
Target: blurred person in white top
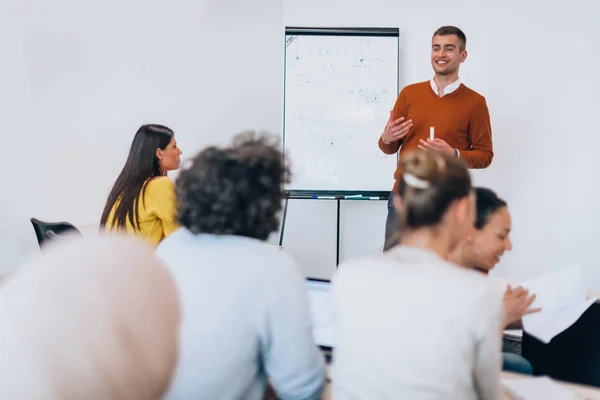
[409,324]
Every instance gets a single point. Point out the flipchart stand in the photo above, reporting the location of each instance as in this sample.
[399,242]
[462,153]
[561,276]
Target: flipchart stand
[334,195]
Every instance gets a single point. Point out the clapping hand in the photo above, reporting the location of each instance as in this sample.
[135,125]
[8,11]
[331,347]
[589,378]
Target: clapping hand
[516,304]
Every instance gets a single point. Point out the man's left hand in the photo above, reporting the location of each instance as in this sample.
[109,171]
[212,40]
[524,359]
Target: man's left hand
[437,145]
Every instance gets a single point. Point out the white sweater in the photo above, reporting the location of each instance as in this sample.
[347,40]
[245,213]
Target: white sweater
[410,325]
[245,320]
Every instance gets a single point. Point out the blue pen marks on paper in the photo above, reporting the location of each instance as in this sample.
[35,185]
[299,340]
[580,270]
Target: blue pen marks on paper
[370,95]
[329,73]
[329,131]
[364,61]
[338,93]
[363,58]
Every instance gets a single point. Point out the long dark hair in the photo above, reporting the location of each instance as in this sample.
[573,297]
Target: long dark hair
[141,166]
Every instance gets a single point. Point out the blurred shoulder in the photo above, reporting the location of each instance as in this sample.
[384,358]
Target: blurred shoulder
[278,259]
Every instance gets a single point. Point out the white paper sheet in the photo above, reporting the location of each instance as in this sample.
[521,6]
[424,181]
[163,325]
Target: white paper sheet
[539,388]
[562,297]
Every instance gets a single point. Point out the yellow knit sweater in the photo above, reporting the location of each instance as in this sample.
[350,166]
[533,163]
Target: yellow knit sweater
[157,212]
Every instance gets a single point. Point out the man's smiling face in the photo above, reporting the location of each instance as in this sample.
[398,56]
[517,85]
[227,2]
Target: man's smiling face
[447,53]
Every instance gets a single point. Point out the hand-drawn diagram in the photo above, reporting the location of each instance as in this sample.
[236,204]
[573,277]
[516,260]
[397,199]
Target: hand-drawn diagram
[338,93]
[329,131]
[369,95]
[362,57]
[365,51]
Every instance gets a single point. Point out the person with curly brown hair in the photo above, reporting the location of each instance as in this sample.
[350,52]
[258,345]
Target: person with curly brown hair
[245,305]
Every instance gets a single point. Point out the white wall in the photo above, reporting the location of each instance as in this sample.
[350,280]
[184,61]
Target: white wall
[78,78]
[538,74]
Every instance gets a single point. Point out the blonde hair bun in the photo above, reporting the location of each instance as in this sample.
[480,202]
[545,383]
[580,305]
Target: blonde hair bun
[423,168]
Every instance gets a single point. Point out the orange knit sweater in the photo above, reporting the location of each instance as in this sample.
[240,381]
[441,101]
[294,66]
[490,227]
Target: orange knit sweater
[461,118]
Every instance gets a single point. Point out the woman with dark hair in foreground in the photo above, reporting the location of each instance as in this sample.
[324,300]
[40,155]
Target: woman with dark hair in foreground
[482,251]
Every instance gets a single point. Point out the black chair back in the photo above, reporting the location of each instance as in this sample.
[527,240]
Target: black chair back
[45,231]
[573,355]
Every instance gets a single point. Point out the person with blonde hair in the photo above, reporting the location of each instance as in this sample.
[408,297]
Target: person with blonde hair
[93,319]
[408,323]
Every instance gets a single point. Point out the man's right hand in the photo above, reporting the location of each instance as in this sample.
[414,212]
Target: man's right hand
[396,130]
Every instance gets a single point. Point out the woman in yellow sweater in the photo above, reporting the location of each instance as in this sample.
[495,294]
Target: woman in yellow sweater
[142,200]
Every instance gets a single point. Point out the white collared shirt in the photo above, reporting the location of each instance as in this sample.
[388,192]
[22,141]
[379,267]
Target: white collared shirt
[448,89]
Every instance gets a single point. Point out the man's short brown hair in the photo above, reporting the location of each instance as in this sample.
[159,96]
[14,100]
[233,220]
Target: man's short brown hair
[452,30]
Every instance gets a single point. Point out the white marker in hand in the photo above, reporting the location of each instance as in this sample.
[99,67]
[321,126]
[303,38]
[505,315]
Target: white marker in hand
[431,135]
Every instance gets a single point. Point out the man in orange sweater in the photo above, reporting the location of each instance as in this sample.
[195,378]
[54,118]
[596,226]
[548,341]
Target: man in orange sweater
[457,116]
